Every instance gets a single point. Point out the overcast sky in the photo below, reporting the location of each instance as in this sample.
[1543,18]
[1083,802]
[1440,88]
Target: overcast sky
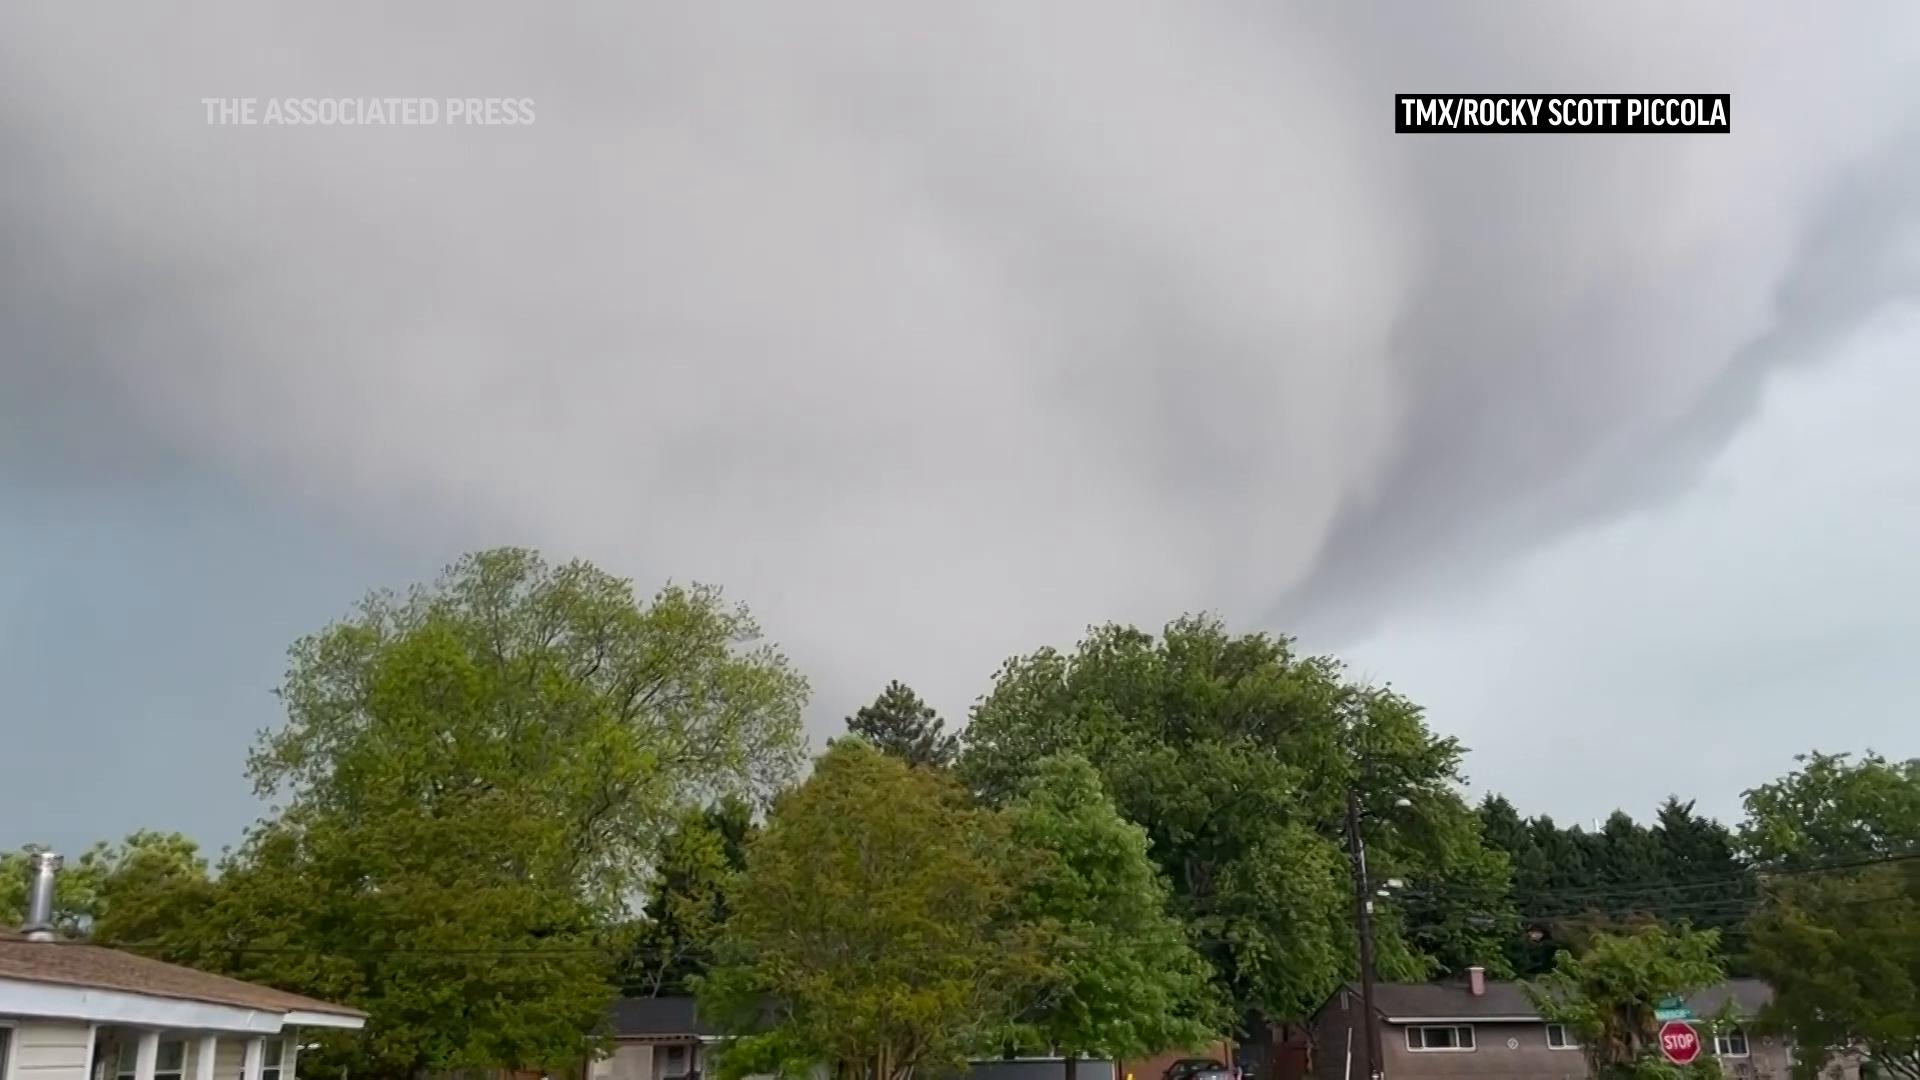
[937,332]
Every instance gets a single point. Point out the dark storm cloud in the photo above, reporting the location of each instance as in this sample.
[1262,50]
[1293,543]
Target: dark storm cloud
[1529,478]
[934,331]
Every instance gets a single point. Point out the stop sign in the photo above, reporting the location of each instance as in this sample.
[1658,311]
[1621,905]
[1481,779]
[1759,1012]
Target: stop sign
[1679,1041]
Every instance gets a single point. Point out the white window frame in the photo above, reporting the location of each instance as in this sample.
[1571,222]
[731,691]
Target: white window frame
[1455,1028]
[1567,1041]
[274,1066]
[686,1061]
[133,1045]
[1722,1040]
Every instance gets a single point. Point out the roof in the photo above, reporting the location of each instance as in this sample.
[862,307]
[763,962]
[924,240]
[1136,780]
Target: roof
[1424,1000]
[76,964]
[658,1017]
[1453,1000]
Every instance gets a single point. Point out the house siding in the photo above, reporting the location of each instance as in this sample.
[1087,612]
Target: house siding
[229,1059]
[1529,1058]
[48,1050]
[629,1061]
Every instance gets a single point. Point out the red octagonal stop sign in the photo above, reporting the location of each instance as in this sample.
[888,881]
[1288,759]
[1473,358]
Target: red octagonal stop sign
[1679,1041]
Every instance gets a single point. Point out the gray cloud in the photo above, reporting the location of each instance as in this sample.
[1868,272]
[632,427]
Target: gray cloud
[1857,252]
[935,332]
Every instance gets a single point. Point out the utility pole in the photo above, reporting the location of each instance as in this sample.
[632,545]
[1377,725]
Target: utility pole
[1363,924]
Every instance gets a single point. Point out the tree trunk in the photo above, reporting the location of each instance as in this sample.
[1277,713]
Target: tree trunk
[1072,1064]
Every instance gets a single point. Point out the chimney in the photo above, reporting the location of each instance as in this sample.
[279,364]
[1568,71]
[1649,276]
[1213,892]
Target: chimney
[39,927]
[1477,981]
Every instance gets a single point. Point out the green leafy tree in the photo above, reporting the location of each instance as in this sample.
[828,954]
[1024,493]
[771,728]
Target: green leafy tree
[872,930]
[686,899]
[1834,809]
[901,724]
[1235,755]
[1838,929]
[1608,998]
[474,779]
[105,891]
[1124,982]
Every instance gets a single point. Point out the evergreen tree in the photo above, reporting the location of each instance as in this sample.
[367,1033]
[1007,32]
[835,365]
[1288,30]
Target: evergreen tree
[900,724]
[686,899]
[1707,882]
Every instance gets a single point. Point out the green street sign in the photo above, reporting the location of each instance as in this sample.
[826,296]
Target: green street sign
[1672,1008]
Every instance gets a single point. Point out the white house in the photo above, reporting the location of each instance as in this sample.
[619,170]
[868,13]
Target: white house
[73,1011]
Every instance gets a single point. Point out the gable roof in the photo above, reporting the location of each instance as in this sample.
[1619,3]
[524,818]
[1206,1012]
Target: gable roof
[1413,1002]
[658,1017]
[93,967]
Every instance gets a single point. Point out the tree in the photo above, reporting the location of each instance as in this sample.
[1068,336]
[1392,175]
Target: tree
[474,779]
[1834,809]
[686,900]
[1530,952]
[548,686]
[872,929]
[1124,981]
[1842,953]
[105,892]
[1608,997]
[1235,755]
[899,723]
[1837,933]
[1707,883]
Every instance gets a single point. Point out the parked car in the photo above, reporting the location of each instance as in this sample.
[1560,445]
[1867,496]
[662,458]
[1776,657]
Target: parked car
[1198,1069]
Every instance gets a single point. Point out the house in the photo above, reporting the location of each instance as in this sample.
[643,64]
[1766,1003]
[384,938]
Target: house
[73,1011]
[658,1038]
[1489,1030]
[665,1038]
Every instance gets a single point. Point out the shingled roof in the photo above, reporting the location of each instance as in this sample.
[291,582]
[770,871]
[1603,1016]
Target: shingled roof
[93,967]
[1455,1000]
[658,1018]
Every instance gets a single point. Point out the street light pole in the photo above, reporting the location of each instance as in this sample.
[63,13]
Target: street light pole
[1363,924]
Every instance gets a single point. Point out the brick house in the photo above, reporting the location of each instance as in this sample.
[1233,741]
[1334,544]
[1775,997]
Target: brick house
[1489,1030]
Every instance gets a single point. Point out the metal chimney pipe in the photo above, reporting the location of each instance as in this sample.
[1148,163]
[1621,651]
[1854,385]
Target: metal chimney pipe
[45,865]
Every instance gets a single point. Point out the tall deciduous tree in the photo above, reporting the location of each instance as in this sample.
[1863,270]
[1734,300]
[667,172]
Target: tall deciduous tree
[1608,998]
[1124,982]
[873,929]
[1235,755]
[1834,809]
[1838,930]
[474,778]
[901,724]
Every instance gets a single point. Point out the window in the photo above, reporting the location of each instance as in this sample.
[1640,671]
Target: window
[169,1063]
[676,1061]
[1731,1043]
[1559,1038]
[1450,1037]
[272,1055]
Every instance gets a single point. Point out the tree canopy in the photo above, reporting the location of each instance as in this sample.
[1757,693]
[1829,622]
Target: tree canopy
[473,780]
[1608,997]
[1234,754]
[686,901]
[103,892]
[1121,979]
[899,723]
[873,928]
[1838,930]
